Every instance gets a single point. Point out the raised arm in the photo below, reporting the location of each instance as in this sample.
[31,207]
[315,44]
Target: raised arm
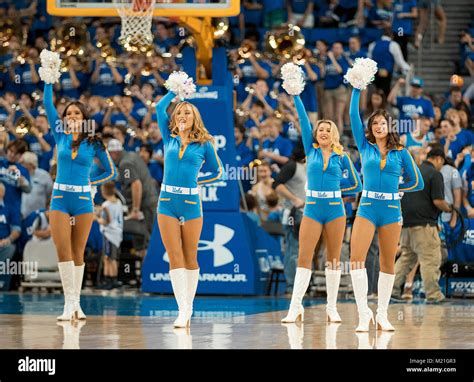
[356,122]
[214,165]
[413,181]
[351,184]
[163,119]
[305,124]
[109,173]
[51,112]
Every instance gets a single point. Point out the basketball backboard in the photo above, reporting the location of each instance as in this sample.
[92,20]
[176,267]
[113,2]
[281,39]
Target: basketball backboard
[165,8]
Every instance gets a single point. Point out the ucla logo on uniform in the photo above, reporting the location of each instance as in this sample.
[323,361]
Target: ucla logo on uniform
[177,190]
[69,188]
[379,195]
[322,194]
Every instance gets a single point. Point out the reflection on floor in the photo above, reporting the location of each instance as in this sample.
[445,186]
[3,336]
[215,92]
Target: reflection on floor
[28,322]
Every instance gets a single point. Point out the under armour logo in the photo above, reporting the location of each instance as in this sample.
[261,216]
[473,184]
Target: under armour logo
[222,255]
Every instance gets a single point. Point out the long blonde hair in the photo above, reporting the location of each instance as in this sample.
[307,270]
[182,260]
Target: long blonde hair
[198,132]
[335,137]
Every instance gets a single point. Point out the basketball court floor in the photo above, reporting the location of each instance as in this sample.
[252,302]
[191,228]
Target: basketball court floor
[28,321]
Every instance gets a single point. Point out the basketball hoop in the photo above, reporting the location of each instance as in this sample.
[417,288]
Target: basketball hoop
[137,16]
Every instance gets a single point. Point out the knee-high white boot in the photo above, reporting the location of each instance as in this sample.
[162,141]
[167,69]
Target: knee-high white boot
[78,276]
[66,272]
[192,279]
[333,278]
[296,312]
[179,284]
[360,285]
[385,286]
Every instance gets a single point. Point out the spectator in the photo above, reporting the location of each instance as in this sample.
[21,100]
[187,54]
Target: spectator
[330,14]
[243,154]
[458,138]
[136,184]
[41,141]
[40,228]
[377,101]
[335,92]
[417,139]
[251,69]
[274,209]
[4,141]
[275,149]
[413,106]
[300,12]
[455,101]
[250,208]
[155,140]
[387,53]
[41,185]
[274,13]
[380,14]
[71,80]
[14,176]
[404,14]
[290,185]
[154,167]
[9,231]
[256,114]
[259,91]
[440,15]
[263,188]
[420,240]
[111,225]
[355,50]
[106,79]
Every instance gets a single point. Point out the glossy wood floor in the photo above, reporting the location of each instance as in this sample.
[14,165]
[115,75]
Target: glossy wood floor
[417,326]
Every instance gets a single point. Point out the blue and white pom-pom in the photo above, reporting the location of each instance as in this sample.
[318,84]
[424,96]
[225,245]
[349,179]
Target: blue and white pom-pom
[362,73]
[293,78]
[50,70]
[180,84]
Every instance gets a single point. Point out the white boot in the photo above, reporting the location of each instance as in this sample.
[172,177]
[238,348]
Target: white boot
[333,278]
[296,312]
[78,276]
[192,279]
[179,284]
[385,286]
[360,286]
[66,271]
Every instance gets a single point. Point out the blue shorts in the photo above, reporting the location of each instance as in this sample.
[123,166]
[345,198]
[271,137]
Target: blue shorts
[181,207]
[380,212]
[324,210]
[72,203]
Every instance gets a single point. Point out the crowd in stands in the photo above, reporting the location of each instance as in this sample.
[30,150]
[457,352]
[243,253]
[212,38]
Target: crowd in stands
[120,90]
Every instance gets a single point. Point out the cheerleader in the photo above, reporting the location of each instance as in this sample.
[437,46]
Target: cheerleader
[71,210]
[324,209]
[384,161]
[187,145]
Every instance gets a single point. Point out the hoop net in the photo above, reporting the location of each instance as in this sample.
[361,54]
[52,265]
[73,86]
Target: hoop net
[137,17]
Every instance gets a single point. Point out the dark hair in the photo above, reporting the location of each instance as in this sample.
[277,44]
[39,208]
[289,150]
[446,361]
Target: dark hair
[436,152]
[370,107]
[19,146]
[272,199]
[298,154]
[449,162]
[447,120]
[109,188]
[393,139]
[147,147]
[324,42]
[259,103]
[241,129]
[92,139]
[250,200]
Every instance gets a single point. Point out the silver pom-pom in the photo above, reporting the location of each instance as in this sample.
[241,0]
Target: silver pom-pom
[181,84]
[50,71]
[362,73]
[293,78]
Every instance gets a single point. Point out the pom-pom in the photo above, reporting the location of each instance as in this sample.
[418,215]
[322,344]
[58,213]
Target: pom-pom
[362,73]
[50,66]
[293,79]
[180,84]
